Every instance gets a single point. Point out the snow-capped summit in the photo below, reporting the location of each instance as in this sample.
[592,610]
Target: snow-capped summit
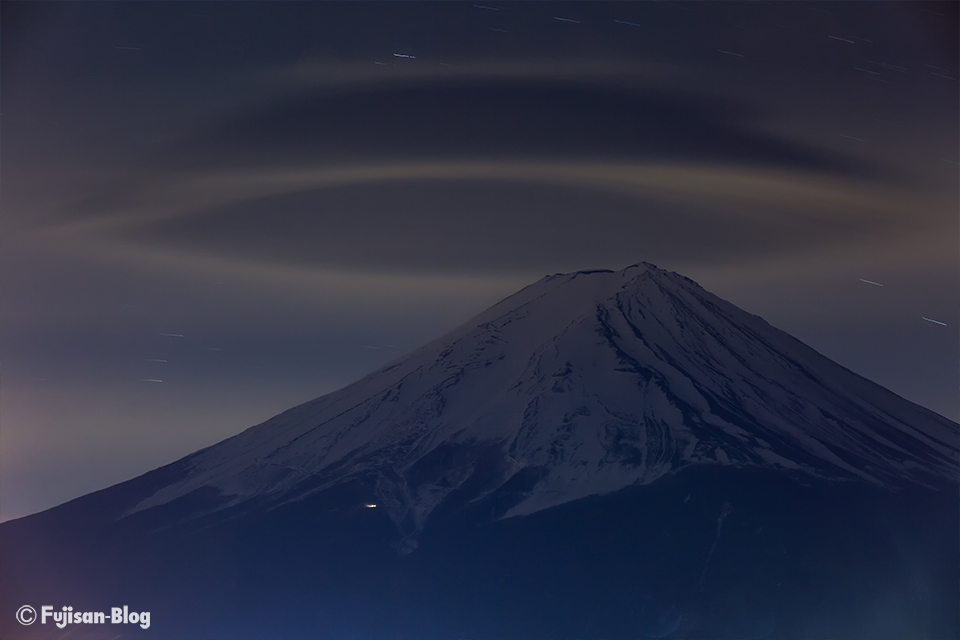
[580,384]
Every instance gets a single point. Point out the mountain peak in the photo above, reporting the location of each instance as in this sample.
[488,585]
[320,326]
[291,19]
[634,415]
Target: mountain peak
[641,266]
[580,384]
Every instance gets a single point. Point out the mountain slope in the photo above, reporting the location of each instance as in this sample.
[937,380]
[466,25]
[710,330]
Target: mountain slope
[582,384]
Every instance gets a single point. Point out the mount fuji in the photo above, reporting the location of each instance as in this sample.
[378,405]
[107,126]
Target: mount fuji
[601,454]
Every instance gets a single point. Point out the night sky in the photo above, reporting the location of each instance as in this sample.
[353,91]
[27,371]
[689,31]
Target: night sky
[214,211]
